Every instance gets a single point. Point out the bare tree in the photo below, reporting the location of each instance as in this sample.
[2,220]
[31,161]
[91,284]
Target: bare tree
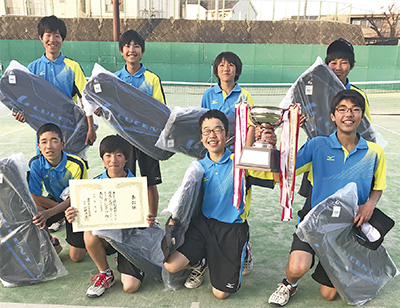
[385,26]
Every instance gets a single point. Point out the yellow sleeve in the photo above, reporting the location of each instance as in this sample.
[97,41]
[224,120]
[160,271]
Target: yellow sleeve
[380,171]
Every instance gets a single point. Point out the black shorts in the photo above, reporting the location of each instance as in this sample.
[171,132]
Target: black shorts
[124,265]
[148,166]
[224,246]
[319,274]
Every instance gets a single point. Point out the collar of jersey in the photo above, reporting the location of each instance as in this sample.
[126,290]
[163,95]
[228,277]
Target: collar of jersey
[362,144]
[59,60]
[139,73]
[60,167]
[236,88]
[209,163]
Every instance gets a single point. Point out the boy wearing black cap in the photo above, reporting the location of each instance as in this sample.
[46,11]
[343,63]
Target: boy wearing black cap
[335,161]
[340,58]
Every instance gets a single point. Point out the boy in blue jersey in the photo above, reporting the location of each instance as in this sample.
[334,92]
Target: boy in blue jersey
[131,47]
[113,152]
[53,66]
[53,169]
[220,232]
[334,161]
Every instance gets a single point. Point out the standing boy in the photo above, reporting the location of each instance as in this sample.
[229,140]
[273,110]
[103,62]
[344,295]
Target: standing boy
[113,152]
[131,47]
[53,66]
[335,161]
[53,168]
[220,232]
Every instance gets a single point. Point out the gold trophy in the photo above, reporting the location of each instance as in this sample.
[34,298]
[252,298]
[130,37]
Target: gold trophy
[262,155]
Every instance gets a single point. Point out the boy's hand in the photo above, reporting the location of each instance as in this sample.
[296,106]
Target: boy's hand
[90,137]
[268,134]
[19,116]
[97,111]
[151,219]
[303,118]
[364,212]
[70,214]
[41,218]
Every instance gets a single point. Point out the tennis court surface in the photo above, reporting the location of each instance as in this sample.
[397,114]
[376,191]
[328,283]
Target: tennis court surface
[270,237]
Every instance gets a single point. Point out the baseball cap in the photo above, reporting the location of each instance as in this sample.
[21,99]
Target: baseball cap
[340,45]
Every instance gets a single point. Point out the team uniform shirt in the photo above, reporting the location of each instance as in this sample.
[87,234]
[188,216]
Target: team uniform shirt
[104,175]
[216,98]
[64,73]
[144,80]
[332,167]
[54,179]
[349,86]
[218,189]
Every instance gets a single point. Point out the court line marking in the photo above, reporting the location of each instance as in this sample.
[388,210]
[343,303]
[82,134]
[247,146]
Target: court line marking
[389,130]
[13,132]
[195,305]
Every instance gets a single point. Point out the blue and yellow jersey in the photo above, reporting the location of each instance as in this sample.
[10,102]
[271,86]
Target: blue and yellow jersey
[332,167]
[218,189]
[349,86]
[104,175]
[64,73]
[216,98]
[144,80]
[54,179]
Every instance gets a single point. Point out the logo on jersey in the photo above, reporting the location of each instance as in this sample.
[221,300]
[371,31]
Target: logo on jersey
[330,158]
[214,102]
[205,179]
[41,73]
[230,285]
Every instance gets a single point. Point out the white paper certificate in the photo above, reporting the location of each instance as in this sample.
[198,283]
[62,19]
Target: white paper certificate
[109,203]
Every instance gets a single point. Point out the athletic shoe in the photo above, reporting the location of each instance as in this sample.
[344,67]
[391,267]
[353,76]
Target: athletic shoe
[102,283]
[248,261]
[57,225]
[56,244]
[282,294]
[196,277]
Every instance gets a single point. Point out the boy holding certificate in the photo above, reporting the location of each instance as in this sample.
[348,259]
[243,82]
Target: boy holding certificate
[220,232]
[113,151]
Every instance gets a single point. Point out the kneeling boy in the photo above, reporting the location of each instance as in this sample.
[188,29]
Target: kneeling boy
[113,151]
[220,232]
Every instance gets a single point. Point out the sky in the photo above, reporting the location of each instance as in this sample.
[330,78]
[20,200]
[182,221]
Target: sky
[279,9]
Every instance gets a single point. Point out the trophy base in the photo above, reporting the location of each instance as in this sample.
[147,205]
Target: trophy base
[261,159]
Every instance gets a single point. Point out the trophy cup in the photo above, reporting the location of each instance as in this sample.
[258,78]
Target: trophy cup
[262,155]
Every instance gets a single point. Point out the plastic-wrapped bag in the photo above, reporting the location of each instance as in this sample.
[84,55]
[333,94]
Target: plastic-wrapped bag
[182,132]
[356,272]
[314,91]
[184,204]
[42,102]
[131,113]
[27,255]
[141,246]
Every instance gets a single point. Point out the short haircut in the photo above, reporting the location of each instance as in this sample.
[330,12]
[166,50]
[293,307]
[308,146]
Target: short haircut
[231,58]
[340,49]
[214,113]
[113,144]
[49,127]
[52,24]
[352,95]
[131,35]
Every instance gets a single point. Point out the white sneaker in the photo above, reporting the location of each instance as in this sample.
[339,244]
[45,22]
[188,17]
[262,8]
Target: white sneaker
[102,283]
[196,277]
[248,261]
[57,225]
[282,294]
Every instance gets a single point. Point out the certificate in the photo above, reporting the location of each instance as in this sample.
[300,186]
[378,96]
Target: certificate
[109,203]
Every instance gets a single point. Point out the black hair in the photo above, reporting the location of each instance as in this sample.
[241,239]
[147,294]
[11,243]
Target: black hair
[352,95]
[52,24]
[231,58]
[214,113]
[49,127]
[113,144]
[131,35]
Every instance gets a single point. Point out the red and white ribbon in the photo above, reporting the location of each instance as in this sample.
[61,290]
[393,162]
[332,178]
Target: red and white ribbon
[239,176]
[288,154]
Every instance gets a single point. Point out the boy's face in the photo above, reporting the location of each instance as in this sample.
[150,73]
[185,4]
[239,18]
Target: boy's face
[114,163]
[347,116]
[213,136]
[51,146]
[52,42]
[226,71]
[341,68]
[132,53]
